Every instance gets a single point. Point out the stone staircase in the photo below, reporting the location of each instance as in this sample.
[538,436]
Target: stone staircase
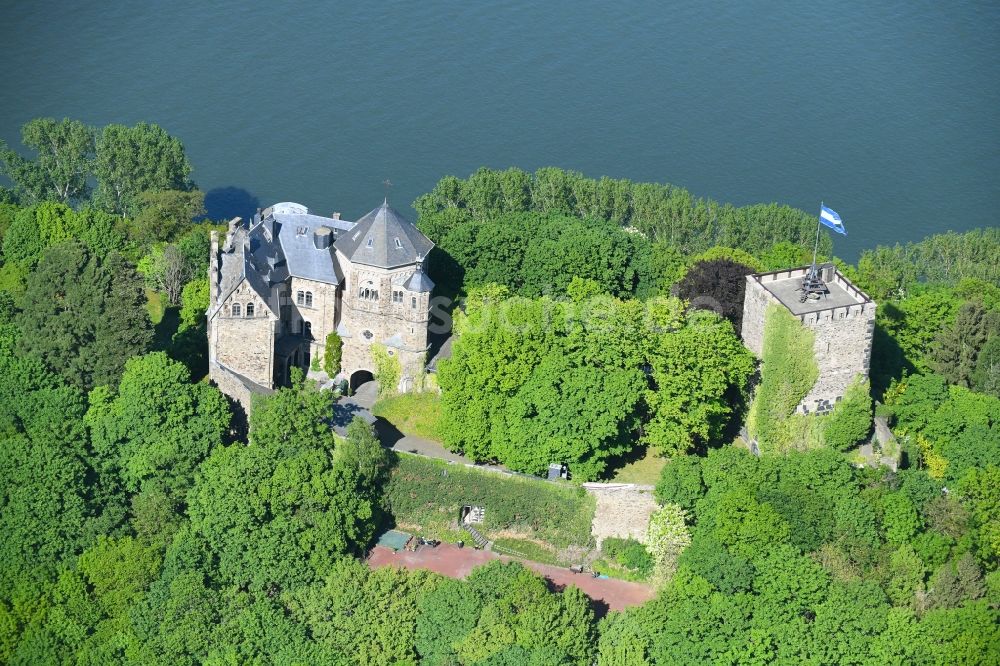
[477,537]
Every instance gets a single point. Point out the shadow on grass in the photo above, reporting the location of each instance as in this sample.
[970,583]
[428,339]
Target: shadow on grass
[163,332]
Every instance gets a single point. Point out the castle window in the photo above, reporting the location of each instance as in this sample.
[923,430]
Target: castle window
[397,296]
[300,297]
[249,310]
[370,241]
[413,302]
[368,335]
[309,299]
[399,246]
[368,292]
[308,332]
[234,309]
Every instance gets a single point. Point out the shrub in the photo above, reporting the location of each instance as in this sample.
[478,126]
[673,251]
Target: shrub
[388,370]
[629,553]
[332,354]
[851,418]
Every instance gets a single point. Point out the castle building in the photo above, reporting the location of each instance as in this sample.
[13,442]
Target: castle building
[284,282]
[843,321]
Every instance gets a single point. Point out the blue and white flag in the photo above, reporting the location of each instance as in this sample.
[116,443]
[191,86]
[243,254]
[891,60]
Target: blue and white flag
[829,218]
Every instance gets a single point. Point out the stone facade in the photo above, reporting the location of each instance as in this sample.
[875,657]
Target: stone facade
[843,325]
[397,318]
[282,283]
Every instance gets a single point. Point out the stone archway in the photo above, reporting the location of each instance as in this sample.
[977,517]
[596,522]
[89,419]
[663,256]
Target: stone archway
[359,377]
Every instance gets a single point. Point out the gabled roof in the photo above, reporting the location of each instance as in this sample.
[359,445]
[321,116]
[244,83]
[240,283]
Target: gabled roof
[385,239]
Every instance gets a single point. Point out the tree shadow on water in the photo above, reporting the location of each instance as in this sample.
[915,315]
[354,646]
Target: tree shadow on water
[223,203]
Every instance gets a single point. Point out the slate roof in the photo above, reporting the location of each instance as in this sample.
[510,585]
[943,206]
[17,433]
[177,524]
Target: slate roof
[385,239]
[279,243]
[419,282]
[304,259]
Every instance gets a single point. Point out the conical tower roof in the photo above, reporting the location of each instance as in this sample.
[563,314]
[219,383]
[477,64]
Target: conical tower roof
[385,239]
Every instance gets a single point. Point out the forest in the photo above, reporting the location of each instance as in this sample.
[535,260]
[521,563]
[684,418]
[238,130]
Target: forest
[139,524]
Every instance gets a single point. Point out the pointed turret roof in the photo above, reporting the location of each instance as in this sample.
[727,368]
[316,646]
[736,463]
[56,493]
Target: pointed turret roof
[385,239]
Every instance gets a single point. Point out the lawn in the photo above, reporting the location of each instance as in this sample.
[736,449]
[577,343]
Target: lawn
[412,413]
[426,495]
[644,470]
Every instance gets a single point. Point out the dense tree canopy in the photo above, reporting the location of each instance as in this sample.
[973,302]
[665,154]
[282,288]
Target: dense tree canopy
[65,155]
[132,160]
[84,317]
[137,527]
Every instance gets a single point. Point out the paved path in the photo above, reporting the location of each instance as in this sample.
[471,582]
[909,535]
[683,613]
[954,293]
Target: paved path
[454,562]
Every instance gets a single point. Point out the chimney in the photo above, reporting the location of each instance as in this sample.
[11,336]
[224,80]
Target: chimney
[322,238]
[336,215]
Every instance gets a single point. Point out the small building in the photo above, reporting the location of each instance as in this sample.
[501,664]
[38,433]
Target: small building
[280,284]
[842,319]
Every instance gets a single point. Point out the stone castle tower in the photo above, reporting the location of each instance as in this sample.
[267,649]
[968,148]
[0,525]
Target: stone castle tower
[843,322]
[280,285]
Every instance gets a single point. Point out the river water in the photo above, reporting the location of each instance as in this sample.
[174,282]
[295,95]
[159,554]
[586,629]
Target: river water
[887,111]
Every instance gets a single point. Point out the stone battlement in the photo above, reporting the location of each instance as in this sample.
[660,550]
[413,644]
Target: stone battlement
[843,323]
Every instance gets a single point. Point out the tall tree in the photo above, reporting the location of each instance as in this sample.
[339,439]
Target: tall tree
[956,348]
[158,426]
[64,163]
[133,160]
[82,317]
[717,285]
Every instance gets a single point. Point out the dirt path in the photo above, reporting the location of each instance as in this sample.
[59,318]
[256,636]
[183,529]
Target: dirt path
[454,562]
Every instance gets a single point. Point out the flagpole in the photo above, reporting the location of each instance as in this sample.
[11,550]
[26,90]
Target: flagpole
[816,244]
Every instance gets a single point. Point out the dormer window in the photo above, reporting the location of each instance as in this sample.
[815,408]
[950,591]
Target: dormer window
[234,310]
[249,310]
[399,246]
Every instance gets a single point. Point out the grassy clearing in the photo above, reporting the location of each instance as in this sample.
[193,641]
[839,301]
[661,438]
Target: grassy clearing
[156,305]
[645,470]
[612,569]
[412,413]
[427,494]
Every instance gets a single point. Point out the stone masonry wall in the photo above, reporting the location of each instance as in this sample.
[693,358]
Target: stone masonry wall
[842,351]
[384,319]
[244,344]
[842,348]
[623,510]
[755,304]
[322,315]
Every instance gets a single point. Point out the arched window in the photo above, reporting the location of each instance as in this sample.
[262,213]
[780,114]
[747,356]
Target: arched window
[397,296]
[308,329]
[368,292]
[249,310]
[309,299]
[300,298]
[234,309]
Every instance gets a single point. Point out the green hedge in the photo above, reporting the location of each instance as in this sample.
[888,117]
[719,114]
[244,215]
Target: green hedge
[429,493]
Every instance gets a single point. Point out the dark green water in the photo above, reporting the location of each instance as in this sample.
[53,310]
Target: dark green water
[887,111]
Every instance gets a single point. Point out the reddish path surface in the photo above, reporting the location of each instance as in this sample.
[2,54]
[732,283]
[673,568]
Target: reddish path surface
[454,562]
